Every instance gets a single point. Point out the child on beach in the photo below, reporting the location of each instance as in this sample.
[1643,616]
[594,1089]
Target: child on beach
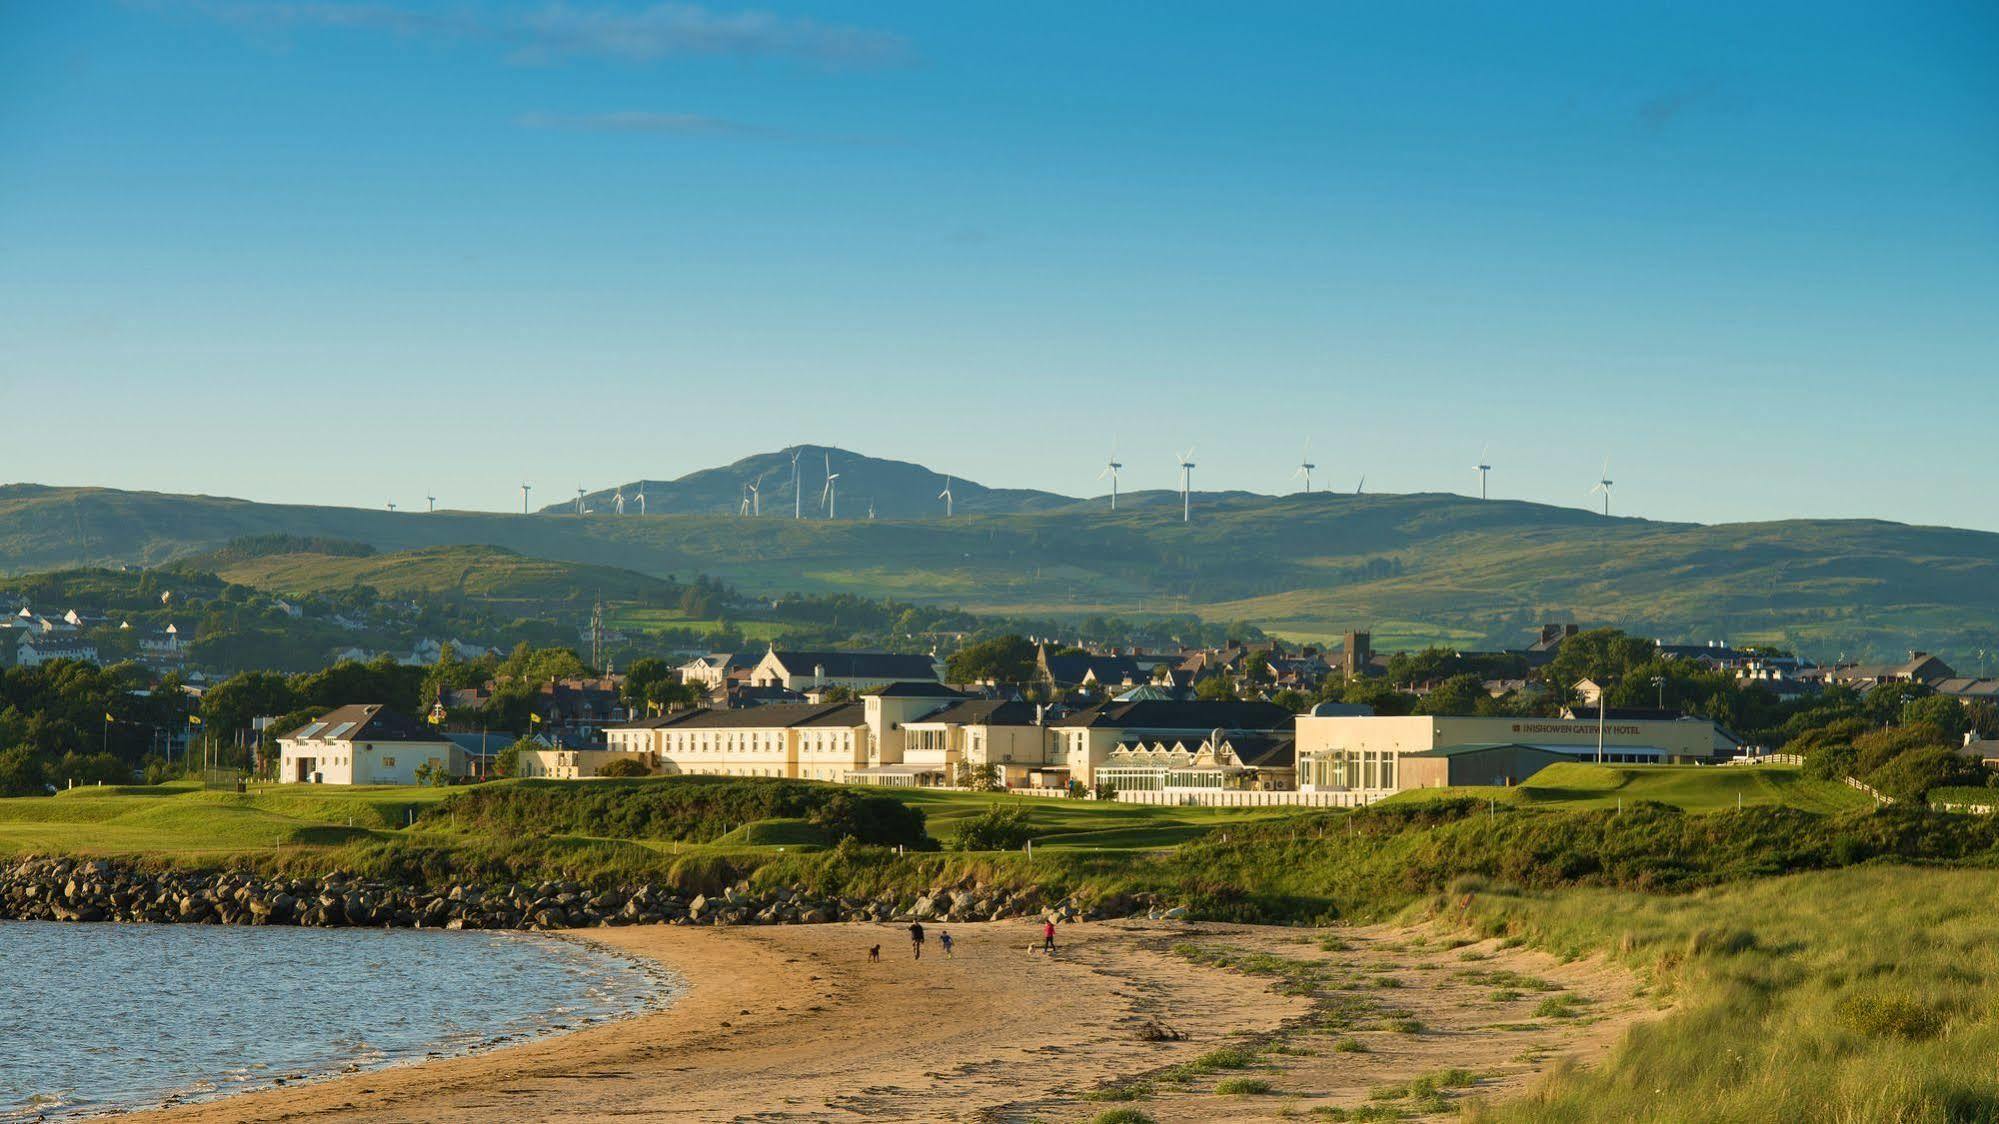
[944,941]
[1048,937]
[916,938]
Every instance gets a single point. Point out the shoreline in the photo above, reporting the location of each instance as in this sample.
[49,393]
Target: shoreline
[655,990]
[795,1023]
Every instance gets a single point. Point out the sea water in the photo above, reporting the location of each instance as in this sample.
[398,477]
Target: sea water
[102,1017]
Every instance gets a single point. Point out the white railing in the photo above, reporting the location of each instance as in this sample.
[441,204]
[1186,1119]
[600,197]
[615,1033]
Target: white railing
[1243,798]
[1877,794]
[1769,759]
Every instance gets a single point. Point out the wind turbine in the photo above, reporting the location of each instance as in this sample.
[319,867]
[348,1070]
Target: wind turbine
[1305,466]
[525,488]
[579,499]
[797,487]
[392,507]
[1603,486]
[1483,468]
[618,500]
[829,497]
[871,509]
[1111,469]
[433,502]
[756,494]
[944,495]
[745,508]
[1187,485]
[642,497]
[1362,486]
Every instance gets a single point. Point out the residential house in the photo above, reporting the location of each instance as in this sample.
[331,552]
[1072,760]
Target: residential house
[365,743]
[1251,762]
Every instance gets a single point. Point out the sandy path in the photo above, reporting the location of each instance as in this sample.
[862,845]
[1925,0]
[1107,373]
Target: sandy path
[791,1023]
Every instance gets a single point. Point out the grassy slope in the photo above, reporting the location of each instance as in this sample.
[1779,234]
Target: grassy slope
[1693,788]
[1420,566]
[475,572]
[1865,994]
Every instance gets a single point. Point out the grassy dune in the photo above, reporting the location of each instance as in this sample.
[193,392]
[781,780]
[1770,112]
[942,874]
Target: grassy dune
[1580,786]
[1866,994]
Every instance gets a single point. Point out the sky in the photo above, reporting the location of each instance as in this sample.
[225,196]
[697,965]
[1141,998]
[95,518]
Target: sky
[353,253]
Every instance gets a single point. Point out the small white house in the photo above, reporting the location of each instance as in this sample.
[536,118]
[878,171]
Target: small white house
[365,743]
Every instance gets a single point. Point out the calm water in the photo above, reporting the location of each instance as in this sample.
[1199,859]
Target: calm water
[97,1017]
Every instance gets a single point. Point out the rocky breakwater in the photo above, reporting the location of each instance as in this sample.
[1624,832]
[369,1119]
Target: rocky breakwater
[100,890]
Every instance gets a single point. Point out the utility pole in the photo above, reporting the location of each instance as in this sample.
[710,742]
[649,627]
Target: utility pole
[1602,694]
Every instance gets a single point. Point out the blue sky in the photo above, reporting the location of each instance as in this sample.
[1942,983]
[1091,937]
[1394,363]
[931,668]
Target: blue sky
[347,253]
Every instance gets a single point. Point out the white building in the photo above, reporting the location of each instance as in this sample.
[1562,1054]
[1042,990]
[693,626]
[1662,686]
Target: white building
[365,743]
[1369,757]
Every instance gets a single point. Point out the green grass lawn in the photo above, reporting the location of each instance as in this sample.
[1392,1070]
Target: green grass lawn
[186,819]
[1058,822]
[1695,788]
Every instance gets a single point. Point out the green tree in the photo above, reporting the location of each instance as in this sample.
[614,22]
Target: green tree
[1003,659]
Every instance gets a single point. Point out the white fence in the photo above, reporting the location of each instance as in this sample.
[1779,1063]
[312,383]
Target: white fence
[1244,798]
[1769,759]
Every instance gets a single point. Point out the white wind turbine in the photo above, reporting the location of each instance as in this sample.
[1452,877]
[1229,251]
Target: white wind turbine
[1187,485]
[1111,470]
[1305,466]
[745,508]
[579,499]
[525,488]
[757,495]
[618,500]
[797,488]
[641,497]
[1603,485]
[944,495]
[433,502]
[829,497]
[1483,469]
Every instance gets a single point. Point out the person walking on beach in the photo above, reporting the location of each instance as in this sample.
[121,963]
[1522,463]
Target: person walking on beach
[944,942]
[1048,936]
[916,938]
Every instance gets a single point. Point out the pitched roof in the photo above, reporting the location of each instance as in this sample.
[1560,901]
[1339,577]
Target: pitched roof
[773,716]
[980,712]
[919,689]
[361,722]
[1182,714]
[857,665]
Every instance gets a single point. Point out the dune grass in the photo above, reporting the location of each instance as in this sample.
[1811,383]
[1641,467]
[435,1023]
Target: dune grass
[1865,994]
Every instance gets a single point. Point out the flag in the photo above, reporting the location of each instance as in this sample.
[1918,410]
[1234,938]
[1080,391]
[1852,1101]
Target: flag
[194,719]
[108,718]
[533,718]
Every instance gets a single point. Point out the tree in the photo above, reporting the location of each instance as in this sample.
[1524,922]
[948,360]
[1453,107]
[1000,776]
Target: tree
[1216,688]
[20,773]
[1003,659]
[624,767]
[507,763]
[1601,654]
[1457,696]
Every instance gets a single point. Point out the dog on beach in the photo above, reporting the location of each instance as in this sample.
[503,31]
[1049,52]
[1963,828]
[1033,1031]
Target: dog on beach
[875,953]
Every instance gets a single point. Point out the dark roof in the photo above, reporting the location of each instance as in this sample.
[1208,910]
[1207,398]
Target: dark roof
[1265,751]
[919,689]
[366,722]
[982,712]
[1624,714]
[1182,714]
[754,717]
[1107,669]
[858,665]
[845,714]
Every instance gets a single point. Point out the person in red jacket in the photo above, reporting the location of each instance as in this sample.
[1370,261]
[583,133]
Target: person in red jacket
[1048,936]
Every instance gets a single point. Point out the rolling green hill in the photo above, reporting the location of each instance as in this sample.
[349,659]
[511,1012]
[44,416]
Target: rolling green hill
[1413,567]
[481,573]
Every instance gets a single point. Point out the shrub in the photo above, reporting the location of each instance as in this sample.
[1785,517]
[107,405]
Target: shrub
[1406,1026]
[624,767]
[995,829]
[1889,1016]
[1121,1116]
[1243,1086]
[1351,1045]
